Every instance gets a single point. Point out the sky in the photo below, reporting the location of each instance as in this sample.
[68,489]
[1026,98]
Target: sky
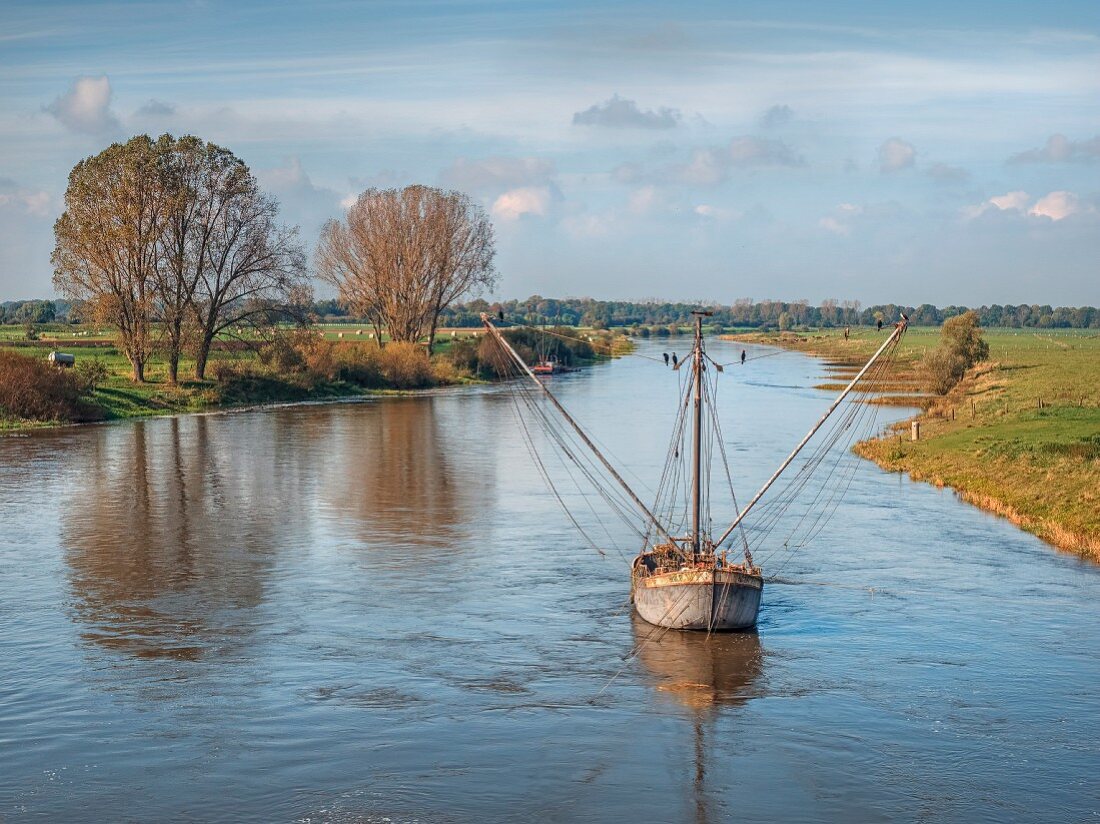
[934,152]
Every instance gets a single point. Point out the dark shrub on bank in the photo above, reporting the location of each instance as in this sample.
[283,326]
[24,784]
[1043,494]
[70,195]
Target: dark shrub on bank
[303,358]
[394,366]
[33,390]
[481,357]
[961,346]
[406,366]
[243,384]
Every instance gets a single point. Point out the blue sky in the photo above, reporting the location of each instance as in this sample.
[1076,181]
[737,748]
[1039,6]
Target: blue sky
[934,152]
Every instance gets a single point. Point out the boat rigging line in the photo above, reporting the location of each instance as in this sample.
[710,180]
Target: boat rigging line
[899,330]
[525,369]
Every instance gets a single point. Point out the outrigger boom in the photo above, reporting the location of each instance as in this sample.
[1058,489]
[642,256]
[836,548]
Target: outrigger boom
[689,583]
[576,426]
[899,330]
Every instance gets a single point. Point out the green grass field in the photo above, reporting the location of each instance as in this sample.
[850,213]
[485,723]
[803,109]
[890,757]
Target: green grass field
[1020,436]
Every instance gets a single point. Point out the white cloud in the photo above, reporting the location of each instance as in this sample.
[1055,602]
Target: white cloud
[302,202]
[832,224]
[896,154]
[1060,149]
[37,203]
[620,113]
[1053,206]
[715,212]
[643,200]
[627,173]
[527,200]
[709,166]
[840,221]
[1056,205]
[86,106]
[290,176]
[31,202]
[498,173]
[1010,200]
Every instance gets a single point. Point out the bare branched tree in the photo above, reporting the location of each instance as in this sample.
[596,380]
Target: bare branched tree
[252,264]
[402,256]
[197,178]
[108,242]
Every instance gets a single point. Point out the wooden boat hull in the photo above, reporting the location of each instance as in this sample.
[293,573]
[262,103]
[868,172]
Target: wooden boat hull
[712,600]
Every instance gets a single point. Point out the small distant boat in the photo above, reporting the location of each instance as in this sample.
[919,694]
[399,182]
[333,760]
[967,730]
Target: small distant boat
[548,366]
[688,581]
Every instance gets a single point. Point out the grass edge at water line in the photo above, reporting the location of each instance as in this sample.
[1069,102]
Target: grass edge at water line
[1018,437]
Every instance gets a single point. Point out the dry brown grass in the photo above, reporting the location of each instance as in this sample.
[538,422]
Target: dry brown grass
[33,390]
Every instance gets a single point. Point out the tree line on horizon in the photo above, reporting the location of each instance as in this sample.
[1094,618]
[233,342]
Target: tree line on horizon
[537,310]
[746,313]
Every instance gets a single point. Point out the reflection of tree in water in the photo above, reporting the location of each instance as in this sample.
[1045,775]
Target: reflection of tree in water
[704,673]
[171,537]
[408,473]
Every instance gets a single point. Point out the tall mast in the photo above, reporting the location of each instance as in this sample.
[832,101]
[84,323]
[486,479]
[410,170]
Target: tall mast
[697,440]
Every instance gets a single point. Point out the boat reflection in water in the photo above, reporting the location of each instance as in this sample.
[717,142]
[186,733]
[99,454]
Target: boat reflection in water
[704,673]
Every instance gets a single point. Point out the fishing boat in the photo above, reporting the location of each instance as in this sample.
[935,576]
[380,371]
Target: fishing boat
[683,577]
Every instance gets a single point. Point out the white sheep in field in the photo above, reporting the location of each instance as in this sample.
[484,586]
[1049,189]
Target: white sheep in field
[359,331]
[340,335]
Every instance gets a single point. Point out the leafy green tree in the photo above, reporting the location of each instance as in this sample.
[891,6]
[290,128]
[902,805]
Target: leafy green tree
[961,346]
[36,311]
[107,242]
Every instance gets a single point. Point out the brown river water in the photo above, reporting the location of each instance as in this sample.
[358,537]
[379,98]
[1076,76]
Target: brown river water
[376,612]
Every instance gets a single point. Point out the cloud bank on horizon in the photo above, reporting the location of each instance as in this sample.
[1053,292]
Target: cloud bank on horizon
[942,154]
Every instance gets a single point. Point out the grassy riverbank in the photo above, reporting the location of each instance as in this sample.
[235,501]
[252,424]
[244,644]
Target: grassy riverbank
[327,363]
[1019,436]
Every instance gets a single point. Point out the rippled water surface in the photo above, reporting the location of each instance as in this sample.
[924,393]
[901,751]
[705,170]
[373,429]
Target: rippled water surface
[375,612]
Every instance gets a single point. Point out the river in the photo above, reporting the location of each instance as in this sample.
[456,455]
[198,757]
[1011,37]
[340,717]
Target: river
[375,612]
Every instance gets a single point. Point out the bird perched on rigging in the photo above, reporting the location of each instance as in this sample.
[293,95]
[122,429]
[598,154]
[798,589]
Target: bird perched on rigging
[674,361]
[666,357]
